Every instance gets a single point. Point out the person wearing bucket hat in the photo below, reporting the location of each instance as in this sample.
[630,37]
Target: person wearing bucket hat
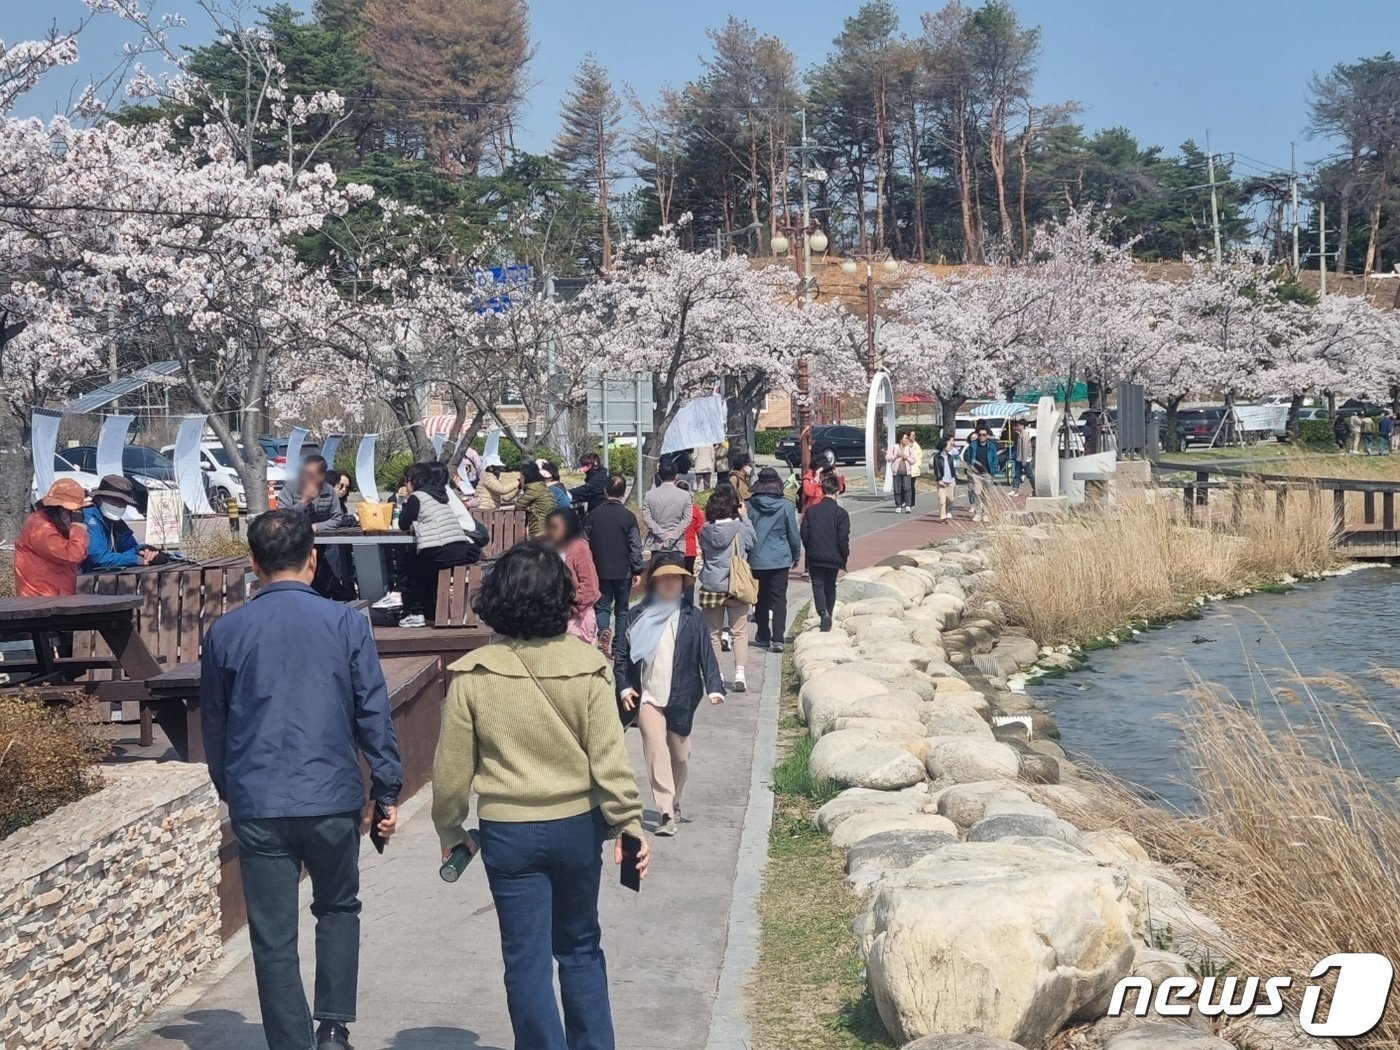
[52,543]
[665,666]
[111,543]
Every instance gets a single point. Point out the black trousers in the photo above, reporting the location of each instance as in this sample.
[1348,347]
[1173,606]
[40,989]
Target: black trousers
[423,574]
[823,588]
[271,854]
[771,607]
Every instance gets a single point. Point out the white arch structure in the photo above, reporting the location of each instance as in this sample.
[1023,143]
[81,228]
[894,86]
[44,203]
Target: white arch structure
[881,392]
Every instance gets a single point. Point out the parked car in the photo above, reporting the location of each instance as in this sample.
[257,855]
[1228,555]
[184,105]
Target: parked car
[846,445]
[1200,426]
[276,449]
[138,462]
[221,480]
[1313,414]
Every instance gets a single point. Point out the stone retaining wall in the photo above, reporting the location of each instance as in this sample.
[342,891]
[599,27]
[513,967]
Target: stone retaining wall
[107,907]
[992,922]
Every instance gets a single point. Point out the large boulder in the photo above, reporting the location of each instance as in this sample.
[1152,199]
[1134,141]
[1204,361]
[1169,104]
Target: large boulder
[1022,825]
[947,607]
[863,761]
[897,726]
[1115,846]
[854,801]
[894,849]
[895,676]
[874,822]
[941,721]
[1001,940]
[837,685]
[878,628]
[961,1042]
[1160,1036]
[1022,650]
[964,760]
[891,651]
[966,804]
[869,607]
[855,588]
[911,587]
[823,713]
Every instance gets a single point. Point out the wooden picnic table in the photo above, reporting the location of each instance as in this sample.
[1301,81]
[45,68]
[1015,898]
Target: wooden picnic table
[112,616]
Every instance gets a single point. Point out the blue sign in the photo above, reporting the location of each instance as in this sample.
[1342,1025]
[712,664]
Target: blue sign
[501,287]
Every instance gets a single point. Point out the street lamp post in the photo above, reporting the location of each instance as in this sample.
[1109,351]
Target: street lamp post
[812,238]
[850,266]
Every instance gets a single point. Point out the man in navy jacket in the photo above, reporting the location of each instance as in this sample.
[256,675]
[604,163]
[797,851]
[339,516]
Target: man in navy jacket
[291,694]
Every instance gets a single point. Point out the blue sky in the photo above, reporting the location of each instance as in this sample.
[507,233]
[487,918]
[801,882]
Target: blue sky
[1167,71]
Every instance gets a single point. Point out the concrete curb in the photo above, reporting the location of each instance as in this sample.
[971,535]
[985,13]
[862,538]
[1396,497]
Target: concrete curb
[729,1026]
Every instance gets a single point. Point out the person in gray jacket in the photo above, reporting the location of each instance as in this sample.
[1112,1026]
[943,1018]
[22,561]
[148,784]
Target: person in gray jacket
[777,545]
[724,525]
[666,511]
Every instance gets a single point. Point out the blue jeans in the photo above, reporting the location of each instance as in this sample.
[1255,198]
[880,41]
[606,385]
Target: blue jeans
[544,878]
[271,853]
[1019,471]
[614,596]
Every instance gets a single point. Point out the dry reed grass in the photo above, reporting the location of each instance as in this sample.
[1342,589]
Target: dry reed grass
[1139,558]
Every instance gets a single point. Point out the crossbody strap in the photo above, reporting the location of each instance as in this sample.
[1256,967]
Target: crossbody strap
[553,706]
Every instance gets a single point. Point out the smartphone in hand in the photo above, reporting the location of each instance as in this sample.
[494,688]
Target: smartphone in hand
[631,849]
[377,840]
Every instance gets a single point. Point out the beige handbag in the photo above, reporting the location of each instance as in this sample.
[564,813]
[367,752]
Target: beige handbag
[742,585]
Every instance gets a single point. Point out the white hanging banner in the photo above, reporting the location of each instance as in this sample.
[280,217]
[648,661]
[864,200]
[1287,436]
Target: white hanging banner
[700,421]
[294,442]
[330,447]
[188,475]
[464,479]
[438,441]
[111,439]
[364,469]
[491,456]
[43,444]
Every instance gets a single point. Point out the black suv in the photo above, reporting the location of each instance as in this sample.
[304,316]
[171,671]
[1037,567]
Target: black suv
[846,445]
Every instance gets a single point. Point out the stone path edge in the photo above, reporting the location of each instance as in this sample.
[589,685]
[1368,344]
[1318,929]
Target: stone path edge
[729,1024]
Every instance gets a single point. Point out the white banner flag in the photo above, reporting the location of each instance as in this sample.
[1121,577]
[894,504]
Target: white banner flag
[364,469]
[188,474]
[700,421]
[294,443]
[330,447]
[491,455]
[111,439]
[43,443]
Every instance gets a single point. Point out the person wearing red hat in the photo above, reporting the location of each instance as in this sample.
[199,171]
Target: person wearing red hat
[52,543]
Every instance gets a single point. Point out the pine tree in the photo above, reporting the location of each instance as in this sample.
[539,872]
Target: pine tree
[587,144]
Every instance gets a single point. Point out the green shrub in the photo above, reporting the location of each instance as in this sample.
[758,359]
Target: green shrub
[388,472]
[793,777]
[765,442]
[622,459]
[511,455]
[1315,432]
[47,760]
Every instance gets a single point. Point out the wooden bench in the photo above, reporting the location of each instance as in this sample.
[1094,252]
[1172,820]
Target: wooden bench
[507,527]
[457,586]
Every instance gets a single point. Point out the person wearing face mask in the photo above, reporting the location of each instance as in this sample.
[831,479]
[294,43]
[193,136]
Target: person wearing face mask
[111,543]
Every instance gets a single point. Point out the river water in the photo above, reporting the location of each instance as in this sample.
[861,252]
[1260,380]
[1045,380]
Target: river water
[1122,713]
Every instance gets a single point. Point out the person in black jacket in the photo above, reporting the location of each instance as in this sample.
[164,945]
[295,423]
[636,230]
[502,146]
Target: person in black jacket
[664,666]
[826,537]
[616,542]
[590,495]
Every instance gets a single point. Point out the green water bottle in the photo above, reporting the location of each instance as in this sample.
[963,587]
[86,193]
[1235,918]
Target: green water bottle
[459,858]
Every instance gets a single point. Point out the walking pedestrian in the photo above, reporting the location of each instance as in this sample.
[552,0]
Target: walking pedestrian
[616,542]
[900,459]
[945,475]
[1388,431]
[1340,431]
[666,511]
[590,495]
[777,545]
[1368,433]
[725,535]
[982,467]
[826,537]
[1354,428]
[530,726]
[691,545]
[741,474]
[1021,453]
[916,468]
[564,529]
[291,695]
[664,666]
[535,498]
[52,543]
[704,466]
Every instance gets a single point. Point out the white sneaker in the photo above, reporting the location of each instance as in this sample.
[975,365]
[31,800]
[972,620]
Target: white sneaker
[726,640]
[392,600]
[666,828]
[413,620]
[740,686]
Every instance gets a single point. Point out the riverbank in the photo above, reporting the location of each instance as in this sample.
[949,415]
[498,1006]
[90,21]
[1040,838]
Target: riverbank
[1001,892]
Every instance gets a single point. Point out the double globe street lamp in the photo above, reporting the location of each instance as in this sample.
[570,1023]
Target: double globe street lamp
[812,239]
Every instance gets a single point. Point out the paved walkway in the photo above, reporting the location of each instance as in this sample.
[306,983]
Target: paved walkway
[678,953]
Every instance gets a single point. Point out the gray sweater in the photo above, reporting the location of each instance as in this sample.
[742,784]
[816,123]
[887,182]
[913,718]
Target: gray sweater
[716,549]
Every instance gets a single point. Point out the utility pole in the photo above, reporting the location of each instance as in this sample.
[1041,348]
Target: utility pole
[1214,201]
[806,215]
[1322,247]
[1293,168]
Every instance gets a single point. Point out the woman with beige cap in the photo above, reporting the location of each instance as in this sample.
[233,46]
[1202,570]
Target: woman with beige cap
[664,667]
[52,543]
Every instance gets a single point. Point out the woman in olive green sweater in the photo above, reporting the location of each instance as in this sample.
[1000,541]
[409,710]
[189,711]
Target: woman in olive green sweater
[531,726]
